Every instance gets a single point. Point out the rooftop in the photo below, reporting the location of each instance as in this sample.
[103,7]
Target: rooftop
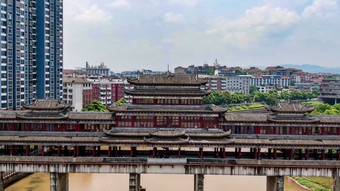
[47,104]
[168,79]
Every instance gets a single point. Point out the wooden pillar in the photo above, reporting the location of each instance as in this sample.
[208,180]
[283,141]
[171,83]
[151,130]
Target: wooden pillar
[201,152]
[45,127]
[65,151]
[338,154]
[98,149]
[259,153]
[59,150]
[223,152]
[29,127]
[133,152]
[28,150]
[154,152]
[291,152]
[94,151]
[109,151]
[78,150]
[43,150]
[307,154]
[323,156]
[179,152]
[255,153]
[201,121]
[236,152]
[239,153]
[269,153]
[275,154]
[13,126]
[77,128]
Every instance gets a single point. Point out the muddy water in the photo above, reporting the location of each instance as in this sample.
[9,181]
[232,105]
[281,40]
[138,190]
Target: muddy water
[113,182]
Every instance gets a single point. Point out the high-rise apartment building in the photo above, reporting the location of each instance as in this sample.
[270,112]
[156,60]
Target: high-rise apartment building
[31,51]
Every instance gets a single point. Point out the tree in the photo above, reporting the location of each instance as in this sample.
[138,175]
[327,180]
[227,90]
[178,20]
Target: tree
[249,97]
[237,97]
[121,101]
[215,97]
[315,92]
[272,100]
[95,106]
[226,95]
[252,89]
[285,95]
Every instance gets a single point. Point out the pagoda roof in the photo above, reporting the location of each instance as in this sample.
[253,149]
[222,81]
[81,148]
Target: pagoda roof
[42,115]
[47,104]
[168,108]
[167,92]
[168,79]
[291,108]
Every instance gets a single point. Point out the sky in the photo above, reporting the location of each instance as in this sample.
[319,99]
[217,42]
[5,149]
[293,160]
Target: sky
[152,34]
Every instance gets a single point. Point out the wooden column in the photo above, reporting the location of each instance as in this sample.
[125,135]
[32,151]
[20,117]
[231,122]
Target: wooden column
[94,151]
[74,151]
[109,151]
[78,150]
[275,154]
[239,153]
[43,150]
[28,150]
[179,152]
[291,152]
[323,156]
[259,153]
[201,152]
[223,151]
[255,153]
[269,153]
[154,152]
[307,154]
[59,150]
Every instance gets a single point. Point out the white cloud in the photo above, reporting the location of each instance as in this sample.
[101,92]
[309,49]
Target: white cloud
[323,8]
[184,2]
[120,4]
[92,14]
[257,22]
[173,17]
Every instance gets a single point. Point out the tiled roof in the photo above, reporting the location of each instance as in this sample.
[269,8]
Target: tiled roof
[172,79]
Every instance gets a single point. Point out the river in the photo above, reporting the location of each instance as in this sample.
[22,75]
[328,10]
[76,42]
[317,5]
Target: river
[119,182]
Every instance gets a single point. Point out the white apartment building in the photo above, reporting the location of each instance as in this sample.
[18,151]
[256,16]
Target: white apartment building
[240,83]
[78,92]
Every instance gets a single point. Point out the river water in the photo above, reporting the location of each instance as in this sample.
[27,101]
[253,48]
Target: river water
[119,182]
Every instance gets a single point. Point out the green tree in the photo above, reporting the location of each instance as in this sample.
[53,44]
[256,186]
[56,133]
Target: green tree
[315,92]
[95,106]
[121,101]
[215,97]
[252,89]
[227,96]
[249,97]
[237,97]
[331,112]
[285,95]
[272,99]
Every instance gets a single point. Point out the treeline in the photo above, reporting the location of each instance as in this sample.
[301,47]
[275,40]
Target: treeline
[326,109]
[270,98]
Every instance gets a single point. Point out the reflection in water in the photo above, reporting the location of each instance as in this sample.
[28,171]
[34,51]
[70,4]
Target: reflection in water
[114,182]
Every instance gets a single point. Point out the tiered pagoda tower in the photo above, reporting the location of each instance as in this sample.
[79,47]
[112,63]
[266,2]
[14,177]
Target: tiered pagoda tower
[168,101]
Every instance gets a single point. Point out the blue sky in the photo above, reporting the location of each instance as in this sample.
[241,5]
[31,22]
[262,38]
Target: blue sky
[151,34]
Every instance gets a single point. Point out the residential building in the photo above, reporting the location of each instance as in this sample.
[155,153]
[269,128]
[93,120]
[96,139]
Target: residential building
[78,92]
[272,80]
[330,90]
[214,82]
[31,51]
[101,69]
[240,83]
[108,91]
[81,74]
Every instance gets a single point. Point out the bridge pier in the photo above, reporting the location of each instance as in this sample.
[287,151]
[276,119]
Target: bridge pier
[58,181]
[134,182]
[336,184]
[275,183]
[2,186]
[199,182]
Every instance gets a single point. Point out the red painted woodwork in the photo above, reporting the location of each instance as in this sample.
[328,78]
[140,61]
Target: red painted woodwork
[291,152]
[223,152]
[27,150]
[323,154]
[259,154]
[256,130]
[307,154]
[201,152]
[59,150]
[179,152]
[154,152]
[239,152]
[275,154]
[109,151]
[94,151]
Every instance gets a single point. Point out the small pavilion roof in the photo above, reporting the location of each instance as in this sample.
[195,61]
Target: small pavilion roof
[168,79]
[47,104]
[42,115]
[291,108]
[168,108]
[167,92]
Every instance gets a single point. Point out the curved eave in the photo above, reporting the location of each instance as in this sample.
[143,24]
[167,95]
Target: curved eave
[295,121]
[157,93]
[291,111]
[41,118]
[162,111]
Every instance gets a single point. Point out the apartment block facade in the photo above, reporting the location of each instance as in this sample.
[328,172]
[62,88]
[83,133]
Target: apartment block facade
[240,83]
[31,51]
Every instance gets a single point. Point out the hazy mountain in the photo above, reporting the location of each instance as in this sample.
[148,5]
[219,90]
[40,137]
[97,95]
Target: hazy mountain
[314,68]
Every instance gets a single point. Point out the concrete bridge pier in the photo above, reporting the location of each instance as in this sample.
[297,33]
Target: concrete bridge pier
[58,181]
[199,182]
[275,183]
[2,186]
[134,182]
[336,184]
